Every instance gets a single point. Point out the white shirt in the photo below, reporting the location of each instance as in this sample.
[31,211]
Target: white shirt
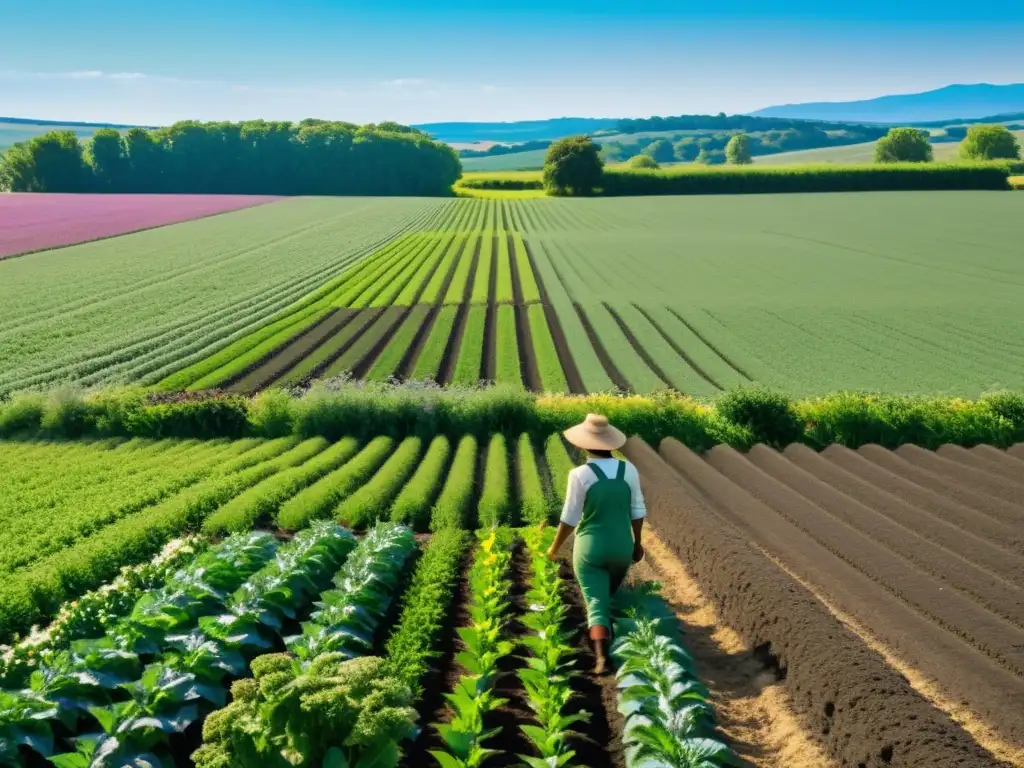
[581,478]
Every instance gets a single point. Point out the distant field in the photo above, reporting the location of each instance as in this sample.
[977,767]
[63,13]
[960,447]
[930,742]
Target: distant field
[698,294]
[512,162]
[33,222]
[856,153]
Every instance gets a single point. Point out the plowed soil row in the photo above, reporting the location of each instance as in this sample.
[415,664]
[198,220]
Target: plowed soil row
[865,713]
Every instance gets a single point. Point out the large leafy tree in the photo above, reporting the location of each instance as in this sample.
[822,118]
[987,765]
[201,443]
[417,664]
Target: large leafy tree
[661,150]
[737,151]
[573,166]
[904,145]
[990,142]
[109,160]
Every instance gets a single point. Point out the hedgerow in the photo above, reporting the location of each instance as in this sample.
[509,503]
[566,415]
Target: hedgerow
[319,499]
[373,500]
[412,646]
[823,178]
[453,505]
[412,506]
[534,505]
[495,507]
[262,501]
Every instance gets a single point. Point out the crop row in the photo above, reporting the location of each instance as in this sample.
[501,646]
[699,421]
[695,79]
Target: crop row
[284,482]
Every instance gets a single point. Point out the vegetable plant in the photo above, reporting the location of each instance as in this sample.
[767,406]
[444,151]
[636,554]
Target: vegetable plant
[487,643]
[669,720]
[550,668]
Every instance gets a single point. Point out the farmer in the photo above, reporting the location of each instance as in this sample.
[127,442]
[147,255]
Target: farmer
[605,506]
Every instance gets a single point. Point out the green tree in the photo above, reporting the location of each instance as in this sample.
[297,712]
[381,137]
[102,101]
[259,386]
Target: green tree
[644,161]
[990,142]
[703,157]
[685,150]
[904,145]
[573,166]
[737,151]
[661,150]
[106,155]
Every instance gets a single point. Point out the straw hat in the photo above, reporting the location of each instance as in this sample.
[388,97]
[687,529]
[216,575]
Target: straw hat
[595,434]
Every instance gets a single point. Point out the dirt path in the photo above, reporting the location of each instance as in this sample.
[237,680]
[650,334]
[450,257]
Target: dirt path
[752,706]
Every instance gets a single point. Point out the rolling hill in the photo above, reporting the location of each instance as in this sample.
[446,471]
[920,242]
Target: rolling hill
[948,103]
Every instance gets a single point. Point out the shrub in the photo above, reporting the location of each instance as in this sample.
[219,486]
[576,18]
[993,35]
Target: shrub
[1009,405]
[768,415]
[320,498]
[904,145]
[534,504]
[452,508]
[270,414]
[737,151]
[412,506]
[644,162]
[573,166]
[990,142]
[412,646]
[373,500]
[495,505]
[24,413]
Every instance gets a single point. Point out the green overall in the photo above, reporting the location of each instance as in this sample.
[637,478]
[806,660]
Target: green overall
[603,550]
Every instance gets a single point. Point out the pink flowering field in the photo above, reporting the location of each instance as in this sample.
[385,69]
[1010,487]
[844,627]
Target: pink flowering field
[35,222]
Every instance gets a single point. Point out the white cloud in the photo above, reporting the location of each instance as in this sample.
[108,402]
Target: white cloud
[406,82]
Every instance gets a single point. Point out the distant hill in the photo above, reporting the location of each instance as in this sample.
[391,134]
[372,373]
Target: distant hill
[944,104]
[517,132]
[17,129]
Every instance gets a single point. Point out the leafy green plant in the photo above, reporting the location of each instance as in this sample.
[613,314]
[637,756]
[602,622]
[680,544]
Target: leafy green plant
[334,712]
[533,502]
[452,507]
[347,616]
[669,720]
[25,723]
[373,500]
[487,643]
[412,505]
[550,664]
[495,507]
[413,644]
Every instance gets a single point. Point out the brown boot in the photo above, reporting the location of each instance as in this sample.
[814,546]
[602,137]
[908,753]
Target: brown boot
[599,637]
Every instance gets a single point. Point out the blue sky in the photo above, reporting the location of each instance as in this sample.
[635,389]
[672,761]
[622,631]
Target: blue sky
[153,63]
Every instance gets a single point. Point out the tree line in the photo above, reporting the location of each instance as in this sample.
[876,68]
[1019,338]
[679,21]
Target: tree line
[734,123]
[313,157]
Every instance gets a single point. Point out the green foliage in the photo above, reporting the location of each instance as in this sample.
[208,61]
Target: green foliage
[333,712]
[782,179]
[737,151]
[373,500]
[487,643]
[459,288]
[495,506]
[573,166]
[669,718]
[989,142]
[769,416]
[482,279]
[412,505]
[644,162]
[504,292]
[527,279]
[549,365]
[428,365]
[661,151]
[451,512]
[904,145]
[469,364]
[260,503]
[347,617]
[321,158]
[320,499]
[534,504]
[412,647]
[507,345]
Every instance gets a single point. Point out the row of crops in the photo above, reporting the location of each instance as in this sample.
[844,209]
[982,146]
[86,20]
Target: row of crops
[244,644]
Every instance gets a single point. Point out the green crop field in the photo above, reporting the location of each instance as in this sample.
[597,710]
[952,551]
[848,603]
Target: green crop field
[914,292]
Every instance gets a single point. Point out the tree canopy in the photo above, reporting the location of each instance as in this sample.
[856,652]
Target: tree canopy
[737,151]
[573,166]
[661,150]
[904,145]
[314,157]
[990,142]
[644,161]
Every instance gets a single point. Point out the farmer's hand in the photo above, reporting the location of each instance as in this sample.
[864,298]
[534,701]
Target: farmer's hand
[638,552]
[552,554]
